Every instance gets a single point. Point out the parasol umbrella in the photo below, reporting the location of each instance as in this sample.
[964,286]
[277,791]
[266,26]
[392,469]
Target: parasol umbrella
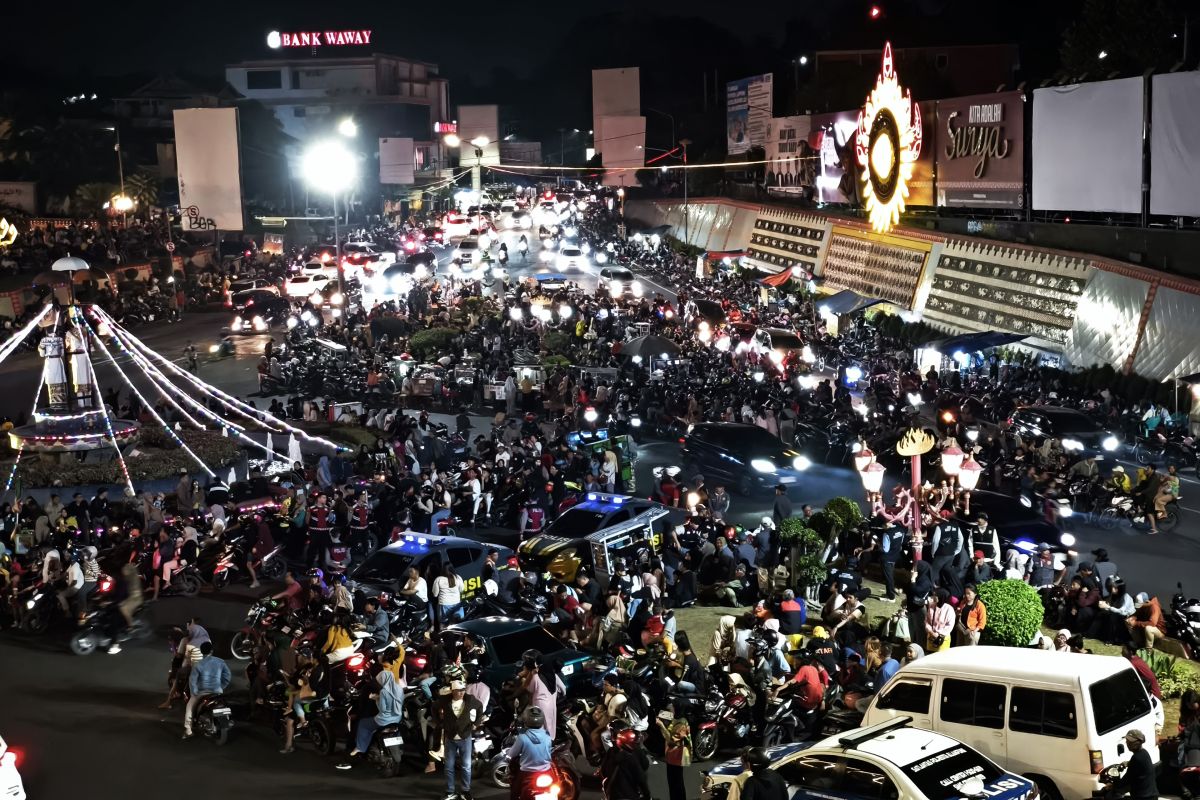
[294,453]
[650,346]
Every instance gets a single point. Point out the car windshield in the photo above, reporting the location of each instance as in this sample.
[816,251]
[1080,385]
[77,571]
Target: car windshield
[468,245]
[620,275]
[1118,700]
[1071,423]
[571,252]
[509,647]
[786,340]
[939,776]
[300,279]
[576,523]
[749,439]
[383,567]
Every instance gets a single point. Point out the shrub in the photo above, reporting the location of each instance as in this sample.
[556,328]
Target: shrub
[157,457]
[432,343]
[844,512]
[557,342]
[1014,613]
[1173,675]
[805,546]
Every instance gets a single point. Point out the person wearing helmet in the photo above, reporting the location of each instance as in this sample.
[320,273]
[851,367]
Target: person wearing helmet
[529,753]
[764,783]
[623,770]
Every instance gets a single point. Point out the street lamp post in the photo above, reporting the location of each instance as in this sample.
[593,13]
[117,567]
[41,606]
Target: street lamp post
[330,167]
[479,142]
[686,235]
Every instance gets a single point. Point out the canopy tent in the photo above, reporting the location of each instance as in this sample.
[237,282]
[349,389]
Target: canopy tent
[776,280]
[975,342]
[710,310]
[845,302]
[650,346]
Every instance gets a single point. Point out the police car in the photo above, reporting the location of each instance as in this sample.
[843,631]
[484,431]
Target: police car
[384,569]
[890,761]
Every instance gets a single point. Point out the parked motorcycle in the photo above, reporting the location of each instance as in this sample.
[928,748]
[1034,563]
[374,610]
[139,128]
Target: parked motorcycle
[1183,622]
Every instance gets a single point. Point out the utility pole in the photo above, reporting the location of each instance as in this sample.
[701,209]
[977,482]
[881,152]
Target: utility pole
[686,233]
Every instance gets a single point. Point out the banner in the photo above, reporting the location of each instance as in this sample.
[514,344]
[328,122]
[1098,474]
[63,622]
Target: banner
[836,174]
[1175,145]
[206,155]
[396,161]
[792,166]
[748,110]
[981,151]
[1087,147]
[21,195]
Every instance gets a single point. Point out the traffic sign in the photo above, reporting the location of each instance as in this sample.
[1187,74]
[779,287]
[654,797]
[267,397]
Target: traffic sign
[170,247]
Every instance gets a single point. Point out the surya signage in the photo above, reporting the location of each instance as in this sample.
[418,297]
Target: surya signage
[887,145]
[277,39]
[980,154]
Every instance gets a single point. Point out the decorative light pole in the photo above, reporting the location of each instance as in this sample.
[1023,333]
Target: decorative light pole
[968,479]
[915,443]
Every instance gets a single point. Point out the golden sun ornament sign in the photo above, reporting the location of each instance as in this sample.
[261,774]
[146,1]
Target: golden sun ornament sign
[886,146]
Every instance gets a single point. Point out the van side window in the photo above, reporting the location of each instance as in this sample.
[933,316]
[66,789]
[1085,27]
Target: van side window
[973,703]
[1042,712]
[907,696]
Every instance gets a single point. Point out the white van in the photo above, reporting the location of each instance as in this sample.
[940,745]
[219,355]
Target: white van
[1056,718]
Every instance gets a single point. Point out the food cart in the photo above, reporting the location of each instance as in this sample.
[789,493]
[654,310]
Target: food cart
[598,441]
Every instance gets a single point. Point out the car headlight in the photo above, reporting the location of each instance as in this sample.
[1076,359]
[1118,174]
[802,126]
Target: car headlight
[762,465]
[260,324]
[601,258]
[614,287]
[801,463]
[638,291]
[1072,444]
[421,271]
[315,298]
[1110,443]
[237,324]
[337,298]
[545,255]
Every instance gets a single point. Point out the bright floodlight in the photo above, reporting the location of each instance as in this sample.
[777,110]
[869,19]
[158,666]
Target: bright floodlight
[329,167]
[481,141]
[452,140]
[347,127]
[122,203]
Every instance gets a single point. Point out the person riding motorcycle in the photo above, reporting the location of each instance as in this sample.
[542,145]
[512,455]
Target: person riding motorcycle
[529,754]
[623,771]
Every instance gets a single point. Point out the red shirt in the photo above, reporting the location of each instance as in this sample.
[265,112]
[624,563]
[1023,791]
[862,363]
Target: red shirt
[293,596]
[810,689]
[1147,675]
[655,626]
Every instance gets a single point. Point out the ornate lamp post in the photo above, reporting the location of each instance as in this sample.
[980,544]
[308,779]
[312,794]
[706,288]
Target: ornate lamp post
[915,443]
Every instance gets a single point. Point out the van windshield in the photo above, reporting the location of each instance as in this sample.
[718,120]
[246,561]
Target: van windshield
[1118,700]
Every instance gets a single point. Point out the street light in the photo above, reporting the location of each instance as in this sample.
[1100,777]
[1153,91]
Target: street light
[348,128]
[863,458]
[122,203]
[329,167]
[452,140]
[952,459]
[684,144]
[1103,54]
[872,477]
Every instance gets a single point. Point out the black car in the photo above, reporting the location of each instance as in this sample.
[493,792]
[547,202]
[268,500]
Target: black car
[1078,432]
[425,258]
[384,569]
[745,457]
[1019,520]
[506,641]
[261,315]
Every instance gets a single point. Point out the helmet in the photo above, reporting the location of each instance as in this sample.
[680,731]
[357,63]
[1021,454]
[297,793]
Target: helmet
[768,522]
[756,757]
[533,717]
[315,572]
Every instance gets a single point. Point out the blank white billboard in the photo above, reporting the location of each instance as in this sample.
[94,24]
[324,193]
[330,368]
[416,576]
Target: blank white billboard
[1087,147]
[623,145]
[397,161]
[206,155]
[1175,145]
[615,93]
[474,122]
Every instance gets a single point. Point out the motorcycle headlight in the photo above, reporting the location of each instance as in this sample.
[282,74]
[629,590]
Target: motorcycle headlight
[292,323]
[30,603]
[337,299]
[762,465]
[237,324]
[1072,444]
[601,258]
[801,463]
[637,289]
[260,324]
[1067,540]
[614,287]
[1110,443]
[421,271]
[636,422]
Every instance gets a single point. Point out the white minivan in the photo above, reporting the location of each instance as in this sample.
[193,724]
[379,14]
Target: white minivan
[1056,718]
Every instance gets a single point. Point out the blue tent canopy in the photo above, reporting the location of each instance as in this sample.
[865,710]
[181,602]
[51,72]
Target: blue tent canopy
[976,342]
[846,302]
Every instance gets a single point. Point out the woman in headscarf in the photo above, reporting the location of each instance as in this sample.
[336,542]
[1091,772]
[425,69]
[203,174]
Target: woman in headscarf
[389,704]
[912,653]
[918,594]
[544,687]
[1014,564]
[612,624]
[939,621]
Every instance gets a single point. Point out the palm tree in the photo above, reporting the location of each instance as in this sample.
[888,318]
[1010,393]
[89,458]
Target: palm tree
[89,198]
[142,188]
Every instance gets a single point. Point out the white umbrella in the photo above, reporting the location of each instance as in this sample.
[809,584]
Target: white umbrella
[294,453]
[225,431]
[270,442]
[232,475]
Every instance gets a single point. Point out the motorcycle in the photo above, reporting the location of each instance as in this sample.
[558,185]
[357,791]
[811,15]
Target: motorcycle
[1124,507]
[99,626]
[1183,622]
[213,718]
[259,619]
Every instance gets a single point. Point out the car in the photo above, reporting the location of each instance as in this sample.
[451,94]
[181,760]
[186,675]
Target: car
[304,285]
[468,250]
[743,456]
[323,253]
[11,787]
[508,205]
[433,237]
[328,269]
[890,761]
[571,257]
[455,226]
[246,284]
[1019,523]
[620,281]
[384,569]
[518,219]
[1078,432]
[551,281]
[507,640]
[399,278]
[239,300]
[261,316]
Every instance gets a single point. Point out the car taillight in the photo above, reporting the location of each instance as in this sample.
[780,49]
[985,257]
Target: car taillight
[1097,759]
[514,562]
[356,661]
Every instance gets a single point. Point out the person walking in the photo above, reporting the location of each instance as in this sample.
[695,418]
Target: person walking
[456,717]
[678,754]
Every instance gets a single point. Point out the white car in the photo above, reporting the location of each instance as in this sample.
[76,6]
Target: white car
[317,268]
[571,257]
[304,285]
[11,787]
[468,251]
[891,761]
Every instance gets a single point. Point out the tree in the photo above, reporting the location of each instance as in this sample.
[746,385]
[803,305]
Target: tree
[1133,35]
[89,198]
[1014,613]
[142,187]
[804,548]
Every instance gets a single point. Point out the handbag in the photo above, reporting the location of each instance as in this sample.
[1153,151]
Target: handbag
[937,640]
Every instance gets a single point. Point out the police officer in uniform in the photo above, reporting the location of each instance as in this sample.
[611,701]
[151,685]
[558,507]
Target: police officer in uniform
[891,547]
[360,521]
[320,523]
[983,537]
[945,546]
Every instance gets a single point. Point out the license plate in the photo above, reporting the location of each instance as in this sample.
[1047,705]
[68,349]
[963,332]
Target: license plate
[150,318]
[787,479]
[568,669]
[544,796]
[286,629]
[393,741]
[221,712]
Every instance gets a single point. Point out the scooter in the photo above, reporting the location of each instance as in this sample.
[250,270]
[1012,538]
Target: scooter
[105,627]
[213,718]
[1183,622]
